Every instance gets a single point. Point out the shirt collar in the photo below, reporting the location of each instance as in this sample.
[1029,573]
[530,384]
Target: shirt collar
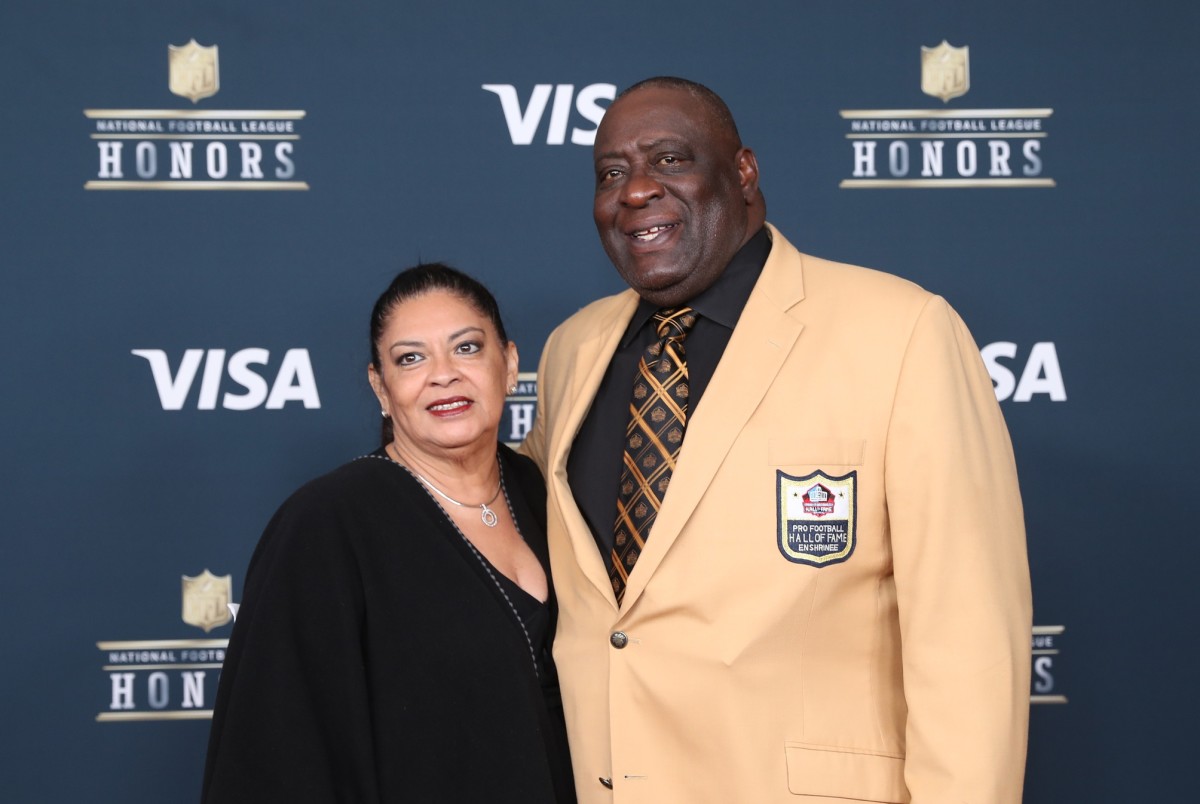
[723,301]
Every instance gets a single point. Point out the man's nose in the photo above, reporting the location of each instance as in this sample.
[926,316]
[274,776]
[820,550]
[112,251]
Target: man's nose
[640,188]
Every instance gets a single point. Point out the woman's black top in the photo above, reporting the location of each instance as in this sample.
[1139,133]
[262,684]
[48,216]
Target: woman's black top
[376,659]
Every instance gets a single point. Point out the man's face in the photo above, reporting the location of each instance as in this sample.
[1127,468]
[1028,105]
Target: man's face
[672,188]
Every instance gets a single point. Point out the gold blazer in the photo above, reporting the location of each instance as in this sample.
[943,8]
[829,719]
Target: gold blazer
[834,602]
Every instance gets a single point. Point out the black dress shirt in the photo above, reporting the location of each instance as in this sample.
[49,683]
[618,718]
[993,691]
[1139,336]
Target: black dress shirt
[594,465]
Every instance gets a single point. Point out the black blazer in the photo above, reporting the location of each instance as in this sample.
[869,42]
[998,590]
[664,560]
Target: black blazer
[373,659]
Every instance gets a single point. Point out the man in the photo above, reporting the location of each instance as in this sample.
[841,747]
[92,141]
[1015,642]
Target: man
[832,601]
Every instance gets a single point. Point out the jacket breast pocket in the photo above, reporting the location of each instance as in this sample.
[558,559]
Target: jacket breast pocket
[816,770]
[821,452]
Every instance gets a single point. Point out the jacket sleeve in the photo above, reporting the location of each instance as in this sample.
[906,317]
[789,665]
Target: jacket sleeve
[291,721]
[961,572]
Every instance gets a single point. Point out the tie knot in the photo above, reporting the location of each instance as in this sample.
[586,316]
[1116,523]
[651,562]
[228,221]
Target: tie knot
[674,321]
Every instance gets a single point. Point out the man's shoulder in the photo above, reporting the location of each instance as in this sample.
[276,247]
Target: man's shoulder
[821,274]
[826,280]
[600,313]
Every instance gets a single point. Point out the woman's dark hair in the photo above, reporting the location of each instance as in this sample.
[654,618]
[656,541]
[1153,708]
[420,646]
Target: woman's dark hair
[417,281]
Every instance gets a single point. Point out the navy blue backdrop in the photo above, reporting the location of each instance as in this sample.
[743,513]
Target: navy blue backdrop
[190,253]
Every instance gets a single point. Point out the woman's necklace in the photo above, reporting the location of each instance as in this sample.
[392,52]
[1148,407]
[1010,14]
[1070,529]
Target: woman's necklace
[486,514]
[483,562]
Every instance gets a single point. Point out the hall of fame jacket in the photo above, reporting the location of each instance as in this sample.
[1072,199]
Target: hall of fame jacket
[834,602]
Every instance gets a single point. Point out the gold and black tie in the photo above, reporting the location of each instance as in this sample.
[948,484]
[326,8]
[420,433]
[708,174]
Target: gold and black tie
[657,419]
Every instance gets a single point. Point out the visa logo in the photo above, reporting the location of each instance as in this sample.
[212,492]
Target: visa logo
[1041,374]
[293,380]
[523,123]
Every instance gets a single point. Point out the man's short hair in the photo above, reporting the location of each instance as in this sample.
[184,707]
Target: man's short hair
[711,100]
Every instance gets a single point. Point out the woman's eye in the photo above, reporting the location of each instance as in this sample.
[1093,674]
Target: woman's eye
[407,359]
[469,348]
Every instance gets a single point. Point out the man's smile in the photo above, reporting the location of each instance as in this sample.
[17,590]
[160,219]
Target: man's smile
[651,233]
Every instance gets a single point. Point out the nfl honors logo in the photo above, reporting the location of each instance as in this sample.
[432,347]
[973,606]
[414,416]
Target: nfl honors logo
[817,517]
[946,148]
[195,149]
[170,679]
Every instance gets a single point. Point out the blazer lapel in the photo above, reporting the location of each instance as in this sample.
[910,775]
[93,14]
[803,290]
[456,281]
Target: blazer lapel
[761,341]
[587,371]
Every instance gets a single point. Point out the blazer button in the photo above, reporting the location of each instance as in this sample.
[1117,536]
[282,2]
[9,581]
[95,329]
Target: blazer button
[618,639]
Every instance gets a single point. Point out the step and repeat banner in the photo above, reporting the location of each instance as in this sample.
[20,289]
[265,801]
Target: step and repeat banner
[202,200]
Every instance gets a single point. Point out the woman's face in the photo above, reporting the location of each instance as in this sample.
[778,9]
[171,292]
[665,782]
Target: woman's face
[443,375]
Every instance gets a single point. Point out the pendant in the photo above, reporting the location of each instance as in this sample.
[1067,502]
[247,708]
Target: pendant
[488,516]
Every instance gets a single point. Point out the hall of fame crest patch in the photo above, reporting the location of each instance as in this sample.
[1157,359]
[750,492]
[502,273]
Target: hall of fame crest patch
[817,516]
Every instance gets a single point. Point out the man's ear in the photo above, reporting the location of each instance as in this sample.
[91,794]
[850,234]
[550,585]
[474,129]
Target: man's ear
[747,168]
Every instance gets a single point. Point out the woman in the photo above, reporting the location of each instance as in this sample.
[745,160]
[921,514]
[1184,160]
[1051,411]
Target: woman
[393,639]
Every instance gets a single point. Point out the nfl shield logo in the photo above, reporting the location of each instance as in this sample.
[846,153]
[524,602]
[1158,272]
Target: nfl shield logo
[945,71]
[194,73]
[206,600]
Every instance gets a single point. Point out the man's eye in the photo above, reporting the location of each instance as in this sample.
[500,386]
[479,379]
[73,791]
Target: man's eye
[610,174]
[669,160]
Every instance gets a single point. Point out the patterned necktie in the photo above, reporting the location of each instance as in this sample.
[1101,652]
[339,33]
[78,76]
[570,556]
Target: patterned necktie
[657,418]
